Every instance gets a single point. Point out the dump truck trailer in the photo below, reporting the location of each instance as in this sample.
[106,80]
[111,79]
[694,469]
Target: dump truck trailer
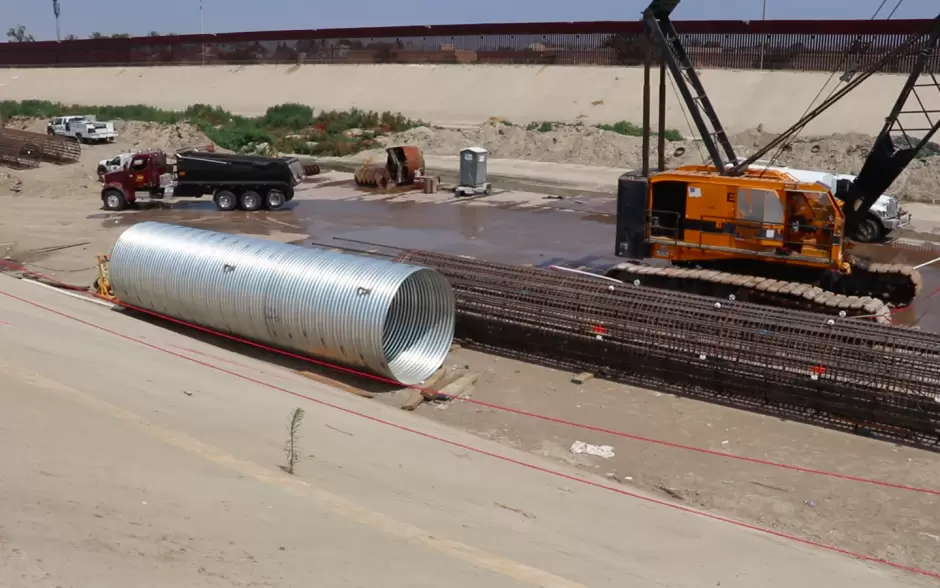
[249,182]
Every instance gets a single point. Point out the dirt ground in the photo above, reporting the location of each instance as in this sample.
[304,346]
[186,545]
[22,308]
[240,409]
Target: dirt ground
[162,468]
[59,207]
[588,145]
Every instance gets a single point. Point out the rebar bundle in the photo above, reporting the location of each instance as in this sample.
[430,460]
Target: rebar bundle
[40,147]
[846,373]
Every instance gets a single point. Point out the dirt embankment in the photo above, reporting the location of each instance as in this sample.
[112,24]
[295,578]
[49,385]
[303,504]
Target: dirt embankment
[578,144]
[587,145]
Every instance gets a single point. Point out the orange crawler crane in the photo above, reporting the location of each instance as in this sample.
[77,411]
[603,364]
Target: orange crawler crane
[731,230]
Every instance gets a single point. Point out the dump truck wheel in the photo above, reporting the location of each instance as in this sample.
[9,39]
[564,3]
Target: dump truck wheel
[225,200]
[274,199]
[113,199]
[250,201]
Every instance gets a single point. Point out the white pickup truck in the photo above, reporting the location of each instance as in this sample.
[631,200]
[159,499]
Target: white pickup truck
[85,128]
[116,163]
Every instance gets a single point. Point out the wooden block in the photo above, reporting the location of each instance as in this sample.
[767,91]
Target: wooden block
[460,387]
[582,378]
[415,399]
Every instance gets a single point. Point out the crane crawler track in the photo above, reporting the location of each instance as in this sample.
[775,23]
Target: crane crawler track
[748,288]
[892,282]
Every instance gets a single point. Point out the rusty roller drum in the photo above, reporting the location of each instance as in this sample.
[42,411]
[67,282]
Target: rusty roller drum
[390,319]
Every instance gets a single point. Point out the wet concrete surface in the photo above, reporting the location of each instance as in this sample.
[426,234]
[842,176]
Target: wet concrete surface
[574,232]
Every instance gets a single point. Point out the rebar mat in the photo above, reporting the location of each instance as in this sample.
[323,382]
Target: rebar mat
[844,373]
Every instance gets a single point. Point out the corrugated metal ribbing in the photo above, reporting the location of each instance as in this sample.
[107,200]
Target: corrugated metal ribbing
[391,319]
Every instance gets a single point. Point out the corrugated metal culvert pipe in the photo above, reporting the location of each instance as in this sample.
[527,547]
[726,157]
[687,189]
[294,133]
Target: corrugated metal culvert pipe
[390,319]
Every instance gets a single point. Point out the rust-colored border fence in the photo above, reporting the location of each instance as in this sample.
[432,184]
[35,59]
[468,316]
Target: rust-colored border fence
[787,45]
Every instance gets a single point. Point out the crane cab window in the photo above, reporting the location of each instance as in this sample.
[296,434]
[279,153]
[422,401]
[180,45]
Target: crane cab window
[761,207]
[139,164]
[812,206]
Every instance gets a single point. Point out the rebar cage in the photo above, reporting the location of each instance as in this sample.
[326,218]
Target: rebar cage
[48,148]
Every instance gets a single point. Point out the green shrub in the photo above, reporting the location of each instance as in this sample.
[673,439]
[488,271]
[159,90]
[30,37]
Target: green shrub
[291,116]
[631,130]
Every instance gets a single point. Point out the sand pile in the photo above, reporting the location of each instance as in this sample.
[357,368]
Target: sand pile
[156,136]
[845,153]
[133,134]
[587,145]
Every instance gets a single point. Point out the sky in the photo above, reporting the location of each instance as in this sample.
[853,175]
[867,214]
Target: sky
[83,17]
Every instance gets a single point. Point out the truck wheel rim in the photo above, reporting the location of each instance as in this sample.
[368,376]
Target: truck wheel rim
[113,201]
[225,201]
[251,203]
[275,199]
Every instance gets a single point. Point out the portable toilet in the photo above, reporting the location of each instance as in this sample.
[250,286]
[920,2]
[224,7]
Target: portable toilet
[473,167]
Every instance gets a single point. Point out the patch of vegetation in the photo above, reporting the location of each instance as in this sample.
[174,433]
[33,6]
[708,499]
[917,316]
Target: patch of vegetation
[292,128]
[541,127]
[628,128]
[623,128]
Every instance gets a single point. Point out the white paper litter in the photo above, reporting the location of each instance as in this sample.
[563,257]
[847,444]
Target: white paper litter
[605,451]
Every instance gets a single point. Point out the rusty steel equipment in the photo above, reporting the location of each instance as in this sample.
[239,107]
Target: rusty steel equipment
[311,169]
[404,165]
[372,175]
[845,373]
[51,148]
[391,319]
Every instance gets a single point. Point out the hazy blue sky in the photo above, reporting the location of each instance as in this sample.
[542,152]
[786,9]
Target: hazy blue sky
[82,17]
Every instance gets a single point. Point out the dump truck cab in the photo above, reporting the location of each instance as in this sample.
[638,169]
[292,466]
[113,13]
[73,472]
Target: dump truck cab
[147,171]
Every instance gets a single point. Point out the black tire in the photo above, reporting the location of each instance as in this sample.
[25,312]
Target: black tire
[868,231]
[113,199]
[289,194]
[225,200]
[274,199]
[250,201]
[80,138]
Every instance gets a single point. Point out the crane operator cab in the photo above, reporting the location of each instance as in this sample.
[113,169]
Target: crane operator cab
[810,223]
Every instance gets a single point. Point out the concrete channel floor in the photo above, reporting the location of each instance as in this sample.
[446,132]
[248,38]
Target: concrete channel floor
[125,463]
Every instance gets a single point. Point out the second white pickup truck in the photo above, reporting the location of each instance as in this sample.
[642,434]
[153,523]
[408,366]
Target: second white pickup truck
[85,128]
